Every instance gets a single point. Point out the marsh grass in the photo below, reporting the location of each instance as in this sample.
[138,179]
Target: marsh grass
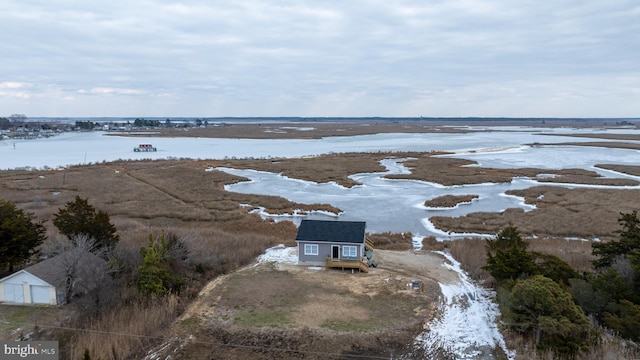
[560,212]
[314,130]
[448,201]
[576,253]
[451,171]
[183,191]
[391,241]
[431,243]
[327,168]
[472,255]
[126,331]
[577,212]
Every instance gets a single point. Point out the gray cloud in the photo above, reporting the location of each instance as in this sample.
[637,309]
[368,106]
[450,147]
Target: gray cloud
[330,58]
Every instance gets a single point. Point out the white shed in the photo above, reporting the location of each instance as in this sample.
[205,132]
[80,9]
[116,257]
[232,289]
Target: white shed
[23,287]
[47,281]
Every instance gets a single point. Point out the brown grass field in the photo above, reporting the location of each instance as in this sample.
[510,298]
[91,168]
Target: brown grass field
[147,197]
[317,128]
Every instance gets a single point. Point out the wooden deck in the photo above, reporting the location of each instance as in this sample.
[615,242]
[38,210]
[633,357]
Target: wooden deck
[359,264]
[347,264]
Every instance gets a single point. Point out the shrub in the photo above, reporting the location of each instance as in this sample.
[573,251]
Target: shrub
[539,305]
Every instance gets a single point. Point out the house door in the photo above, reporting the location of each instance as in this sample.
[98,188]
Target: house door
[335,251]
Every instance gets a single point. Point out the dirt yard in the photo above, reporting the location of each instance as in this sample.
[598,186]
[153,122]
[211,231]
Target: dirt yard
[379,310]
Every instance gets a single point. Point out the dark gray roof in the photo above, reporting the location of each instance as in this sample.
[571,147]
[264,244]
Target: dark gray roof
[53,270]
[331,231]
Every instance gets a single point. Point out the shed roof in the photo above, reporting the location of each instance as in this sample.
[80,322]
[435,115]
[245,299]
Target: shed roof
[331,231]
[52,270]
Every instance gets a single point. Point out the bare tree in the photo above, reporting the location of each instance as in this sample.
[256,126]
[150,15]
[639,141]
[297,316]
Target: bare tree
[87,277]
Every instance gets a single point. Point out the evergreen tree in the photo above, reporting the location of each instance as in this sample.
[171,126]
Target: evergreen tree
[617,279]
[592,301]
[79,218]
[507,256]
[154,275]
[539,305]
[626,321]
[555,269]
[629,241]
[19,235]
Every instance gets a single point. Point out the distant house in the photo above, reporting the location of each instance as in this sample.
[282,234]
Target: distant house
[340,244]
[50,281]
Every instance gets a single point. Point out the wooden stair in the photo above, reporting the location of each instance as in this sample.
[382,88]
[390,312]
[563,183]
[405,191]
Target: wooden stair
[368,244]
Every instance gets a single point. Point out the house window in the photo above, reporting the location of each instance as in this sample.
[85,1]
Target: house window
[311,249]
[349,251]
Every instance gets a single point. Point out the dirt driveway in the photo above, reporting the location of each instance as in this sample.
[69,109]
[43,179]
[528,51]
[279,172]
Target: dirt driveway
[416,263]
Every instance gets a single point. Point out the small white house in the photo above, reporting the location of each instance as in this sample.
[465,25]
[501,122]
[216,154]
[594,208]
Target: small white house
[334,244]
[47,282]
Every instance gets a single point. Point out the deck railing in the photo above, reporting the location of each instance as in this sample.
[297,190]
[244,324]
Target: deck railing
[347,264]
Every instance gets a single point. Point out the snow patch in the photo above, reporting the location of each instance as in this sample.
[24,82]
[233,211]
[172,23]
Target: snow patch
[280,254]
[416,241]
[448,235]
[466,327]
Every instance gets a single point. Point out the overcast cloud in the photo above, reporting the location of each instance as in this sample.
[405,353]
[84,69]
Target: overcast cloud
[560,58]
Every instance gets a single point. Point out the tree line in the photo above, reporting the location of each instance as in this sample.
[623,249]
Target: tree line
[542,296]
[88,230]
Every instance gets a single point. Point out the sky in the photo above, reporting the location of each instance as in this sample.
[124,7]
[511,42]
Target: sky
[209,58]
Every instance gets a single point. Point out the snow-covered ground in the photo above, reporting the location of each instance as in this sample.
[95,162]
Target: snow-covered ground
[280,254]
[466,324]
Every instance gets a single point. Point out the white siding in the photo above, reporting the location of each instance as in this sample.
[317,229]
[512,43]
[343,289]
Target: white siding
[24,277]
[25,288]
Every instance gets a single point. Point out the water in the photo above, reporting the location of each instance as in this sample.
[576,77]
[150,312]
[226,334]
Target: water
[386,204]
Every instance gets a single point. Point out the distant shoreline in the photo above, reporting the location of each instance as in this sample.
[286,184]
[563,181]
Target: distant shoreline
[289,119]
[365,126]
